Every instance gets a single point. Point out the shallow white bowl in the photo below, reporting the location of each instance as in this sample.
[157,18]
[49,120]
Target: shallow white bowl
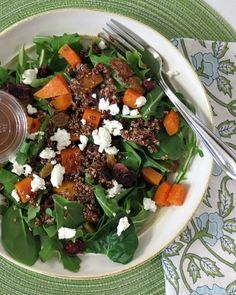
[169,221]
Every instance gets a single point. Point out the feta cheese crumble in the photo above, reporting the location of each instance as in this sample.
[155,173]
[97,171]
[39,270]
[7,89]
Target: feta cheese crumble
[172,74]
[53,162]
[15,195]
[33,136]
[134,112]
[47,153]
[27,169]
[140,101]
[31,110]
[57,174]
[111,150]
[102,45]
[102,138]
[20,169]
[62,137]
[83,121]
[149,204]
[94,95]
[114,126]
[122,225]
[29,75]
[66,233]
[103,104]
[116,189]
[84,141]
[114,109]
[125,110]
[37,183]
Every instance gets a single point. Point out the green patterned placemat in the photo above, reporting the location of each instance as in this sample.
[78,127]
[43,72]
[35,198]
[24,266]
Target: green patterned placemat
[172,18]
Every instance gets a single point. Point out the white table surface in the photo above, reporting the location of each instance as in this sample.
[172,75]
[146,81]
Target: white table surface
[226,8]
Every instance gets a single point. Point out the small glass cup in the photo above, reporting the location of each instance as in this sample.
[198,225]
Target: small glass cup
[13,126]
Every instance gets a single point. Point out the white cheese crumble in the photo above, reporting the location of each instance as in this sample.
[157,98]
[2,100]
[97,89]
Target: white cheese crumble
[57,174]
[15,195]
[47,153]
[84,140]
[37,183]
[103,104]
[140,101]
[102,138]
[172,74]
[122,225]
[114,109]
[94,95]
[149,204]
[31,110]
[111,150]
[114,126]
[20,169]
[102,45]
[116,189]
[66,233]
[53,162]
[125,110]
[32,136]
[83,121]
[62,137]
[134,112]
[29,75]
[27,169]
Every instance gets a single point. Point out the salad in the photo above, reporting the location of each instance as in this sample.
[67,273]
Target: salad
[102,141]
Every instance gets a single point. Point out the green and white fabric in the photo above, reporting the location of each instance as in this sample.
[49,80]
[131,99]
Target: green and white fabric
[202,260]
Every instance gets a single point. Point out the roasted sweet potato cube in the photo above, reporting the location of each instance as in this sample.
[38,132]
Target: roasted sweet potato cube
[90,81]
[70,160]
[66,189]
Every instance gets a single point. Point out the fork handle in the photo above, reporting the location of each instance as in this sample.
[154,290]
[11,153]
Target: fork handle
[220,152]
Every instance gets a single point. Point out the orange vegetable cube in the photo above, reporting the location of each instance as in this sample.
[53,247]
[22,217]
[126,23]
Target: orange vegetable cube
[171,123]
[70,160]
[62,102]
[161,194]
[92,117]
[33,124]
[55,87]
[66,189]
[70,55]
[177,194]
[130,97]
[23,188]
[151,175]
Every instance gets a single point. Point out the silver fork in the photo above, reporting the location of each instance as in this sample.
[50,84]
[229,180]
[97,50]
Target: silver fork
[124,39]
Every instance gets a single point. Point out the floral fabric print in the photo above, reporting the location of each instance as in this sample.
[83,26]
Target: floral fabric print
[202,260]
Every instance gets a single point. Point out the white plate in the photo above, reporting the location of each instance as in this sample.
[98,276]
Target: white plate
[169,221]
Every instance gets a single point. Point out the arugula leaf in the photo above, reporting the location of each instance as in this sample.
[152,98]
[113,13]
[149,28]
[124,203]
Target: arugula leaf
[26,152]
[8,179]
[118,248]
[17,240]
[31,213]
[109,206]
[40,82]
[4,75]
[152,63]
[153,100]
[105,58]
[21,64]
[134,60]
[72,216]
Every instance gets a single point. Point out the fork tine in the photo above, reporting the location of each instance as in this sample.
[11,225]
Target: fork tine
[115,37]
[125,37]
[112,42]
[130,33]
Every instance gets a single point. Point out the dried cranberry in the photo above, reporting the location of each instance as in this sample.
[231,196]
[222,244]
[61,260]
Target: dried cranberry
[96,48]
[44,71]
[48,203]
[149,84]
[106,172]
[123,175]
[72,248]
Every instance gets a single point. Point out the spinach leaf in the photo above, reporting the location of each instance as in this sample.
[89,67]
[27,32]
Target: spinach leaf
[71,263]
[67,213]
[139,219]
[153,100]
[8,179]
[152,63]
[4,75]
[49,248]
[31,213]
[146,160]
[109,206]
[129,157]
[51,230]
[17,240]
[26,152]
[134,60]
[44,105]
[40,82]
[118,248]
[3,209]
[21,64]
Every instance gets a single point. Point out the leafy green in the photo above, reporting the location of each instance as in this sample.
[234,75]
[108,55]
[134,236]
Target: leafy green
[49,248]
[67,213]
[153,100]
[105,58]
[152,63]
[118,248]
[8,179]
[139,219]
[43,105]
[134,60]
[31,213]
[40,82]
[129,157]
[109,206]
[17,240]
[21,64]
[26,152]
[51,230]
[4,75]
[71,263]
